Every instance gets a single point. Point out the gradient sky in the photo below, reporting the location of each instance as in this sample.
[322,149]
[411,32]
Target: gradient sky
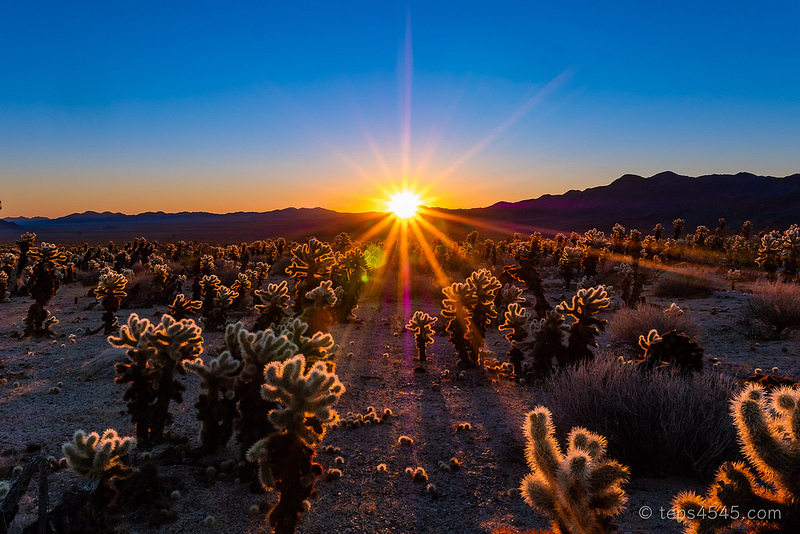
[253,106]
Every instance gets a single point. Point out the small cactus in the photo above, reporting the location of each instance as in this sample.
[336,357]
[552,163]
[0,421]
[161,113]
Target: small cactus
[422,325]
[673,350]
[97,457]
[580,490]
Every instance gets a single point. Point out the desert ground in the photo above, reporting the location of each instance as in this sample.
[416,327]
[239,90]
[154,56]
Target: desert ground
[375,363]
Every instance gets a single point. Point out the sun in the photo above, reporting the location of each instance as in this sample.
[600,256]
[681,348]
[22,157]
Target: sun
[404,204]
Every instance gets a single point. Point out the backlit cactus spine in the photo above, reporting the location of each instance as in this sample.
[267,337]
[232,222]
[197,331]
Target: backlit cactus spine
[350,272]
[181,307]
[110,291]
[42,284]
[311,263]
[155,353]
[318,314]
[579,489]
[515,319]
[769,432]
[458,303]
[274,306]
[583,307]
[483,311]
[3,286]
[303,401]
[769,254]
[99,457]
[422,325]
[216,406]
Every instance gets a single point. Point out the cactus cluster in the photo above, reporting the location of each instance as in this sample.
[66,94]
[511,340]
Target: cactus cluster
[469,306]
[155,353]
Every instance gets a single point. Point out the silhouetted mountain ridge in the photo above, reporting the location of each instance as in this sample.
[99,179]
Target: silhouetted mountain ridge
[631,200]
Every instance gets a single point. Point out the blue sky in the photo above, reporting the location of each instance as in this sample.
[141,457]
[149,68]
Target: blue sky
[139,106]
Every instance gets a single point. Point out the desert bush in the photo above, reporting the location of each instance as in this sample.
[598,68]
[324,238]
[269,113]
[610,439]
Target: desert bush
[685,283]
[776,306]
[657,423]
[629,323]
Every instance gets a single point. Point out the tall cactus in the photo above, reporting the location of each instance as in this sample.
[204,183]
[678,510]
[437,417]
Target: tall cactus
[155,353]
[769,432]
[583,307]
[580,489]
[302,409]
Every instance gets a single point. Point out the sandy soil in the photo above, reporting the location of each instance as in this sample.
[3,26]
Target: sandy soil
[375,364]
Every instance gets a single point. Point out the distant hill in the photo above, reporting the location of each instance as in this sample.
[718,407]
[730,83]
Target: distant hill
[631,200]
[9,231]
[638,202]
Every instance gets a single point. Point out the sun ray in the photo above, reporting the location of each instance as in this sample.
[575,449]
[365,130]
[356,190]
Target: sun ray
[438,272]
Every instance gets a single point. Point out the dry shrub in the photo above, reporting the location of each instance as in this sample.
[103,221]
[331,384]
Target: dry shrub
[629,323]
[658,423]
[776,306]
[686,283]
[88,278]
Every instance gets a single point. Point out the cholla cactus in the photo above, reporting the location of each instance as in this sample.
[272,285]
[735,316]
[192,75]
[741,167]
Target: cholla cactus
[3,286]
[258,349]
[546,343]
[350,272]
[677,225]
[583,308]
[769,254]
[204,266]
[155,354]
[790,253]
[42,284]
[734,275]
[216,407]
[316,348]
[181,307]
[97,457]
[459,301]
[568,263]
[670,350]
[216,300]
[25,243]
[486,286]
[770,438]
[241,286]
[274,306]
[318,314]
[422,325]
[509,294]
[579,489]
[594,245]
[7,263]
[110,291]
[302,411]
[262,272]
[529,274]
[310,264]
[515,320]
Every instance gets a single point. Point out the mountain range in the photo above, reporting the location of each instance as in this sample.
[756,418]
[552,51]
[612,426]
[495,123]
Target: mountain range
[631,200]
